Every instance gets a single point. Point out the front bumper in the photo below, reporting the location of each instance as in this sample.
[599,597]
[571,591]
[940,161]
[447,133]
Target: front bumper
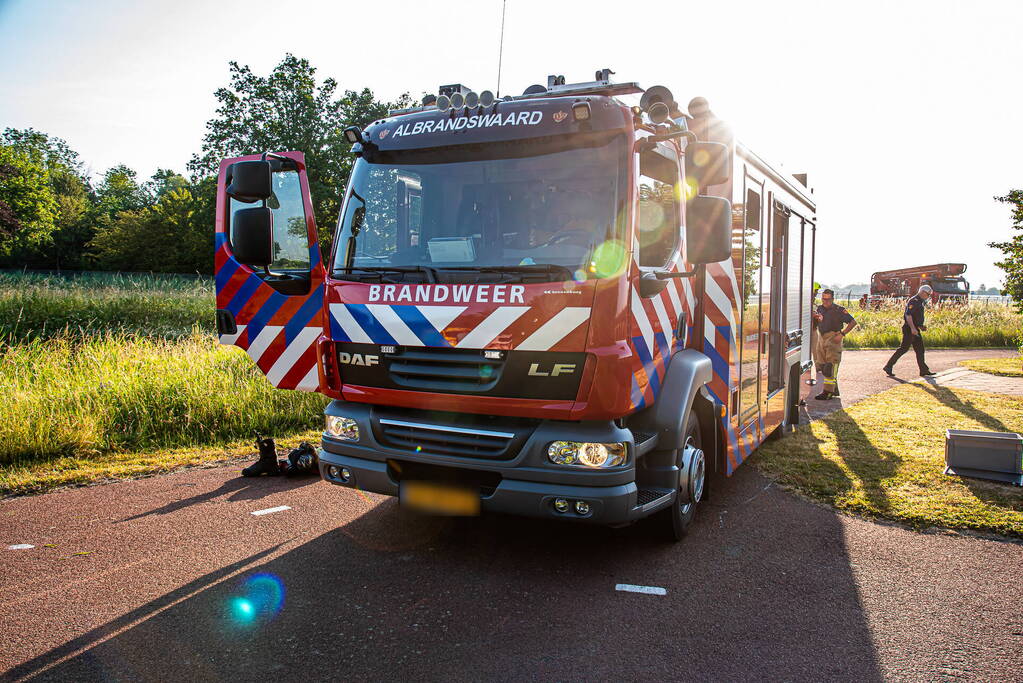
[522,482]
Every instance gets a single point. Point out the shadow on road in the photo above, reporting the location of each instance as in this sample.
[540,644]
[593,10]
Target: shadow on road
[761,589]
[239,488]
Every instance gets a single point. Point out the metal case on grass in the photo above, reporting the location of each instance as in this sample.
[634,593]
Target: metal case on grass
[985,455]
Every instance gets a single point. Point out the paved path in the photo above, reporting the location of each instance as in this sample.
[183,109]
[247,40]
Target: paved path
[961,378]
[860,374]
[143,580]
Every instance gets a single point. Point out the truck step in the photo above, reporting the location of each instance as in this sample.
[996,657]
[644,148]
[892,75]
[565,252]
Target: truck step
[649,496]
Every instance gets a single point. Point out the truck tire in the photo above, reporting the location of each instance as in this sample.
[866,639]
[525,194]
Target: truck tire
[676,519]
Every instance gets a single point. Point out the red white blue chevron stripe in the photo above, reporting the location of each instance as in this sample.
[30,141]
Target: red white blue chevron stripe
[655,321]
[522,328]
[278,332]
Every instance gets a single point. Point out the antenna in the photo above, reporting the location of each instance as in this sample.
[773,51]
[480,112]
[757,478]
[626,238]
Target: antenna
[500,52]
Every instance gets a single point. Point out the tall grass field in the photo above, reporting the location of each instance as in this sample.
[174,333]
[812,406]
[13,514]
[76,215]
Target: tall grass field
[117,375]
[125,369]
[979,324]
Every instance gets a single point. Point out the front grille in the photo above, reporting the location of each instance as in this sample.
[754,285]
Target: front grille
[445,370]
[467,442]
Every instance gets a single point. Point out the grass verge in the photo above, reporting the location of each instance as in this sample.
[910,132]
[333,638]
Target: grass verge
[884,457]
[31,477]
[1006,367]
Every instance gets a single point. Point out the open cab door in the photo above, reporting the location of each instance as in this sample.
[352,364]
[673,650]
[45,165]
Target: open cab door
[269,270]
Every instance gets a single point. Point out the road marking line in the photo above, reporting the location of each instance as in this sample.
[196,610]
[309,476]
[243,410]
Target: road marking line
[267,511]
[649,590]
[20,546]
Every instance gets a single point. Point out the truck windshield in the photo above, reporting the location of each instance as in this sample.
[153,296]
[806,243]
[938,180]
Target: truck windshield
[535,212]
[950,286]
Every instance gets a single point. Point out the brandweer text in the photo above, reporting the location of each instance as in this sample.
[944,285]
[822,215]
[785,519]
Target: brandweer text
[435,294]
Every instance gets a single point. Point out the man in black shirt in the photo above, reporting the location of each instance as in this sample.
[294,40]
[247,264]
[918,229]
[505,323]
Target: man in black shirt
[912,325]
[832,323]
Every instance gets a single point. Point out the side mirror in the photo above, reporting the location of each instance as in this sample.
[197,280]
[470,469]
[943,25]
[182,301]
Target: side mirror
[250,181]
[707,163]
[650,285]
[252,236]
[708,230]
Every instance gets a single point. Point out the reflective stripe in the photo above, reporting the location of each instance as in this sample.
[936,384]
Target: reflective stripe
[349,325]
[555,329]
[394,325]
[494,324]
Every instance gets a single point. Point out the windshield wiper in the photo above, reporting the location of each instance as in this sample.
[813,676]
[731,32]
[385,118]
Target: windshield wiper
[431,273]
[530,269]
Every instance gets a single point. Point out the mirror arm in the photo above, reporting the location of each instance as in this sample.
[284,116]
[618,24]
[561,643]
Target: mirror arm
[665,275]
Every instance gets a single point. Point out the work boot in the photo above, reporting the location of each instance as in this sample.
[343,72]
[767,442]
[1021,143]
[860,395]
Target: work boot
[302,460]
[267,464]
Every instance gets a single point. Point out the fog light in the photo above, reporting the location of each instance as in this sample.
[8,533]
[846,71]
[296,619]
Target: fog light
[342,428]
[334,471]
[582,507]
[345,475]
[561,505]
[595,455]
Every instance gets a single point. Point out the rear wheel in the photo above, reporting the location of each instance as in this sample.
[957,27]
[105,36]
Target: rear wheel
[691,484]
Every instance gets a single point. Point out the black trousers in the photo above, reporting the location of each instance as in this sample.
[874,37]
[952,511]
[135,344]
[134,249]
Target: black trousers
[917,342]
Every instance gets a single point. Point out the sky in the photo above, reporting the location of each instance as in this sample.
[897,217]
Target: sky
[906,115]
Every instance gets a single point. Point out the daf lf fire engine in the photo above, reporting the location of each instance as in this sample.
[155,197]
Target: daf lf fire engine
[556,304]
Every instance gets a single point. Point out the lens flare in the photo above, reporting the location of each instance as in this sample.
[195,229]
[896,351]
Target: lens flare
[690,188]
[261,599]
[579,275]
[609,258]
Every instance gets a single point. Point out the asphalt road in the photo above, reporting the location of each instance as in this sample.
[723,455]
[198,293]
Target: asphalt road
[146,580]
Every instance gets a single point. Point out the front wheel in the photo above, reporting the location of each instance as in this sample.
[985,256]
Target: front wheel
[691,484]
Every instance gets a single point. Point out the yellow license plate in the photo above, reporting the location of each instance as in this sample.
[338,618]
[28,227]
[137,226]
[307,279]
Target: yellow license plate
[439,499]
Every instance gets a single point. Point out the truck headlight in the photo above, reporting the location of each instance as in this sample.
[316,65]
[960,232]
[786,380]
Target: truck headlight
[595,455]
[342,428]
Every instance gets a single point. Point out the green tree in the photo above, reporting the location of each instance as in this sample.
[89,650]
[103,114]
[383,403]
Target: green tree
[73,219]
[120,191]
[163,182]
[28,208]
[164,237]
[1012,250]
[288,110]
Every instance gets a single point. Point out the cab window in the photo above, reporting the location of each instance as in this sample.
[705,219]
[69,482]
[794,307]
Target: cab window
[658,224]
[291,235]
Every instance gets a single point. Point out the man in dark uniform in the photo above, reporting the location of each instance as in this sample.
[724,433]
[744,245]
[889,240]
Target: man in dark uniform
[832,323]
[912,326]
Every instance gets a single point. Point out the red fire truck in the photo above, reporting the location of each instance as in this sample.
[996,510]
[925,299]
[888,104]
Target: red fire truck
[557,304]
[946,281]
